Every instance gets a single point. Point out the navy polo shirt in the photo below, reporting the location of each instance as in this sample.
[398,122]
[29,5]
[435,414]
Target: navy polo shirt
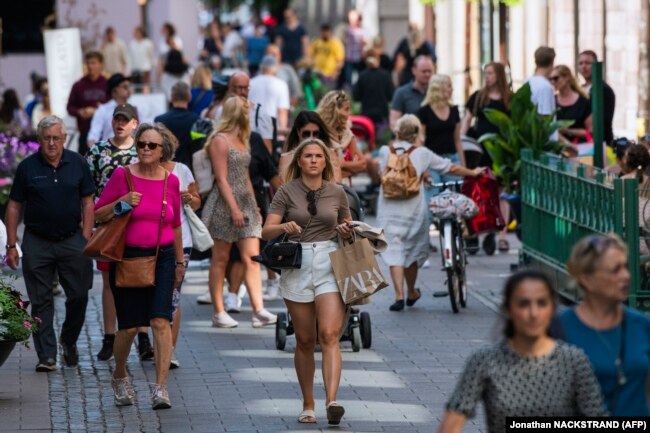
[179,121]
[51,196]
[407,99]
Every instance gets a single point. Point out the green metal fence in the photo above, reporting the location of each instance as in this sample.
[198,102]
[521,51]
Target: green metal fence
[563,201]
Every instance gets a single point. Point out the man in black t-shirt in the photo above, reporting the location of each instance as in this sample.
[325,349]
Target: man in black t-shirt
[585,63]
[374,89]
[55,189]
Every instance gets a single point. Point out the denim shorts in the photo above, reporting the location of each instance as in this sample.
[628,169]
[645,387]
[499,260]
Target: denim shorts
[138,306]
[315,276]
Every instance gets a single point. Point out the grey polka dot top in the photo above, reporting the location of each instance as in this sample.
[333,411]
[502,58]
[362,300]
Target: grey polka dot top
[561,383]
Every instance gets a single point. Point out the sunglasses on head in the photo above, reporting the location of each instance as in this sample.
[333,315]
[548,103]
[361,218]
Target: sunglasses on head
[311,203]
[309,134]
[148,144]
[599,244]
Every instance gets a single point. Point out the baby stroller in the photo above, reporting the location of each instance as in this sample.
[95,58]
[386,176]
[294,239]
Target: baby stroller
[473,155]
[357,329]
[364,130]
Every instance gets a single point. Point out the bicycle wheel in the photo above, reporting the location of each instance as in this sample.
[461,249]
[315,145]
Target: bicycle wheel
[453,286]
[462,277]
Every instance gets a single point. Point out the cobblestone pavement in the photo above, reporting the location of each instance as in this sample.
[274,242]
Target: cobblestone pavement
[235,380]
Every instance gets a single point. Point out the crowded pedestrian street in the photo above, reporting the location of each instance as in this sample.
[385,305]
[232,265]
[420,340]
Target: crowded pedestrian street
[262,216]
[237,381]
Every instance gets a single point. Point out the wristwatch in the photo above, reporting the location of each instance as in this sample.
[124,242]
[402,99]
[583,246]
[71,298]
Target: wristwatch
[8,247]
[180,264]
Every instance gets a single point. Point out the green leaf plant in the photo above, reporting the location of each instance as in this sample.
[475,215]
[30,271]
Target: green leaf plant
[523,128]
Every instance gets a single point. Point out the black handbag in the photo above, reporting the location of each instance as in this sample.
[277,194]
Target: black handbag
[278,254]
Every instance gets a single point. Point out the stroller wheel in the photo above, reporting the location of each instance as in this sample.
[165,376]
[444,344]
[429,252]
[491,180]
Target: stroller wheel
[281,331]
[366,330]
[356,339]
[489,244]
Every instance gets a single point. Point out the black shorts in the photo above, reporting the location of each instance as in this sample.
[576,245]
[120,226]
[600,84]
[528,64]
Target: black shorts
[135,306]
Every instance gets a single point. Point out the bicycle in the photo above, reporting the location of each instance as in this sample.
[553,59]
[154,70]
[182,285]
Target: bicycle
[452,248]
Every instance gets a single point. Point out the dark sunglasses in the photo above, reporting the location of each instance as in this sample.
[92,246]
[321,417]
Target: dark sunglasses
[554,79]
[309,134]
[148,144]
[599,244]
[311,203]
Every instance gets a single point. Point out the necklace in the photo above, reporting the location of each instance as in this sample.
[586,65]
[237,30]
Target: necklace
[619,355]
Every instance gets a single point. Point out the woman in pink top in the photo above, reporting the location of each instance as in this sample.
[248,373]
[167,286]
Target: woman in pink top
[146,307]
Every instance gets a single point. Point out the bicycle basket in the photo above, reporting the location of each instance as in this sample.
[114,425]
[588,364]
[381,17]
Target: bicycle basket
[450,204]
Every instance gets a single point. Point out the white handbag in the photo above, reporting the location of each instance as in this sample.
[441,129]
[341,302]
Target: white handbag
[203,175]
[201,239]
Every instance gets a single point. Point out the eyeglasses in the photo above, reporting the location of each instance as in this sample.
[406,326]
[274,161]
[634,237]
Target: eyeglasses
[148,144]
[241,88]
[554,78]
[311,205]
[305,133]
[52,138]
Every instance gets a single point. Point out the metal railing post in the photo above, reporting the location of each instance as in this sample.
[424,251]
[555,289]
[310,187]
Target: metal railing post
[597,110]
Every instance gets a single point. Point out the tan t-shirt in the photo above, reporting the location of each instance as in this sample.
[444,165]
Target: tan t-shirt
[290,202]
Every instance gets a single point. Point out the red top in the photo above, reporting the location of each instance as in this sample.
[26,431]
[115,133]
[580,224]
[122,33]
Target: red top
[142,230]
[86,93]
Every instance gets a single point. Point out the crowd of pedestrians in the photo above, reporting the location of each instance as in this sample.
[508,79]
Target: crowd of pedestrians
[280,170]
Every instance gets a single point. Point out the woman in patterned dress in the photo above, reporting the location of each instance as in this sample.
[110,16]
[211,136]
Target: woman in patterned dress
[528,373]
[103,158]
[231,213]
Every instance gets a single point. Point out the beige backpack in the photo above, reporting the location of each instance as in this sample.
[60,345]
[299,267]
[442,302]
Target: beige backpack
[400,180]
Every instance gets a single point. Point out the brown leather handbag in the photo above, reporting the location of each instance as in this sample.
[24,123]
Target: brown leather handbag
[107,242]
[140,272]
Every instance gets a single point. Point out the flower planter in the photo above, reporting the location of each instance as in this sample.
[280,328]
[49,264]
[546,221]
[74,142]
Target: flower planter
[5,350]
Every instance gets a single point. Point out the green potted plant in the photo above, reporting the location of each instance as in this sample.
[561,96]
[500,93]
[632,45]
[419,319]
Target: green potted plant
[523,128]
[16,324]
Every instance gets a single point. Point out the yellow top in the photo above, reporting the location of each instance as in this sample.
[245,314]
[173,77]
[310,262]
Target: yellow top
[326,56]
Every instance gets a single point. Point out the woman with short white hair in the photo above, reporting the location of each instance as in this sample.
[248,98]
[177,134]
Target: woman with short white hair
[404,220]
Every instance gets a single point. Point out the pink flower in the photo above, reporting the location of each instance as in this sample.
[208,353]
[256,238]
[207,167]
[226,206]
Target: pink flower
[27,324]
[21,304]
[38,319]
[5,181]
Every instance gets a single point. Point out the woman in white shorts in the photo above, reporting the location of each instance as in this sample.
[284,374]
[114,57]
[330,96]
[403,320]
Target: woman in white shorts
[313,210]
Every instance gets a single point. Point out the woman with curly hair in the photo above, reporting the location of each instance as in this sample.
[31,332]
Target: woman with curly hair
[154,227]
[334,109]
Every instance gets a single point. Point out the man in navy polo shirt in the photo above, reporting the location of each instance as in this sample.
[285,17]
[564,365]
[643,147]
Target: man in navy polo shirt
[408,98]
[55,189]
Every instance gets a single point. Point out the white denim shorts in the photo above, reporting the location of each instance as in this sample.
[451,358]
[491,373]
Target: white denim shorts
[315,276]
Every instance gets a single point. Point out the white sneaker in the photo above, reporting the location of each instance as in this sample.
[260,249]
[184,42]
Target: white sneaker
[232,303]
[223,320]
[264,318]
[204,299]
[272,289]
[426,264]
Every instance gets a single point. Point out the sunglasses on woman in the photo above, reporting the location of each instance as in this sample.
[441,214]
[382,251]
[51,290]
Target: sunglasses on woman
[554,78]
[311,203]
[148,144]
[309,134]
